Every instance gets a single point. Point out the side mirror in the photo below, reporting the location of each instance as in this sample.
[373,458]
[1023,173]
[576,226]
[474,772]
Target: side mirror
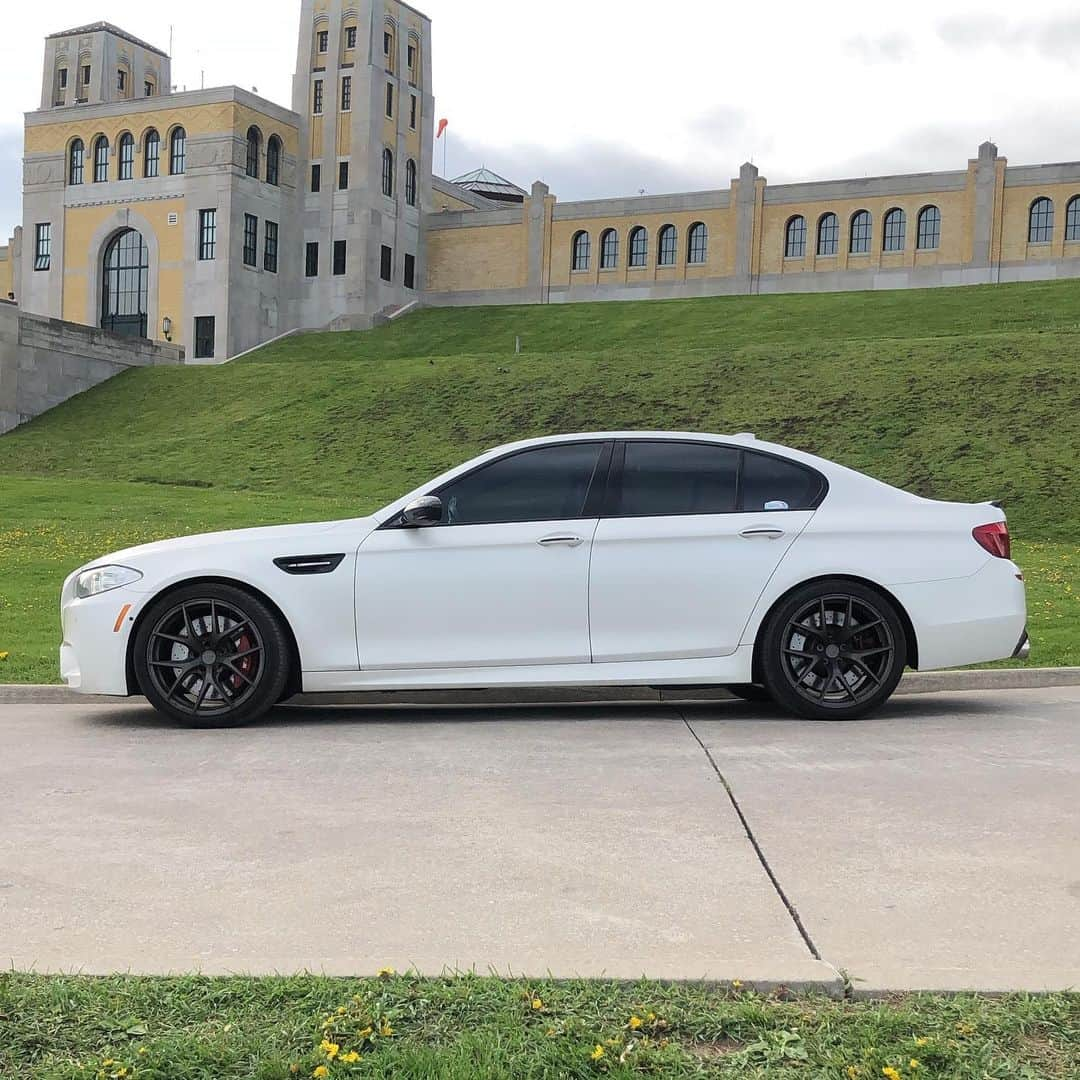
[427,510]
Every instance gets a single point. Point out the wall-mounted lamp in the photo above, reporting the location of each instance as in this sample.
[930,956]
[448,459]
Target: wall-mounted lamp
[166,328]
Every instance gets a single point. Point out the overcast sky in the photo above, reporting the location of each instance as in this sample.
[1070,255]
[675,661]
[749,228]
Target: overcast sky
[611,97]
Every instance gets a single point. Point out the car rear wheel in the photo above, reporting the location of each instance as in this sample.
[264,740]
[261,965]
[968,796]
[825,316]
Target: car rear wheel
[211,655]
[833,650]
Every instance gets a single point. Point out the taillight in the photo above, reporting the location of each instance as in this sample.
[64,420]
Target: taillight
[994,538]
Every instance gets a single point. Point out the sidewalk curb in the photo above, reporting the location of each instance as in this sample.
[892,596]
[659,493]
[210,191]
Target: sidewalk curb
[913,682]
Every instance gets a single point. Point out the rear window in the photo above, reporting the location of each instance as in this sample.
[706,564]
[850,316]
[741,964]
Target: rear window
[774,480]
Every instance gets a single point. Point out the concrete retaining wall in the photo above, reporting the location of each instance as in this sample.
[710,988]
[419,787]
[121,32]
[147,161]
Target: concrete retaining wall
[43,362]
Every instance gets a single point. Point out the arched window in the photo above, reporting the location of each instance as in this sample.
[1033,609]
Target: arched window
[639,246]
[126,271]
[273,160]
[177,151]
[795,238]
[1041,221]
[862,228]
[828,234]
[76,162]
[894,229]
[254,145]
[152,154]
[928,233]
[1072,219]
[410,182]
[388,172]
[609,249]
[127,156]
[697,244]
[666,246]
[579,250]
[101,159]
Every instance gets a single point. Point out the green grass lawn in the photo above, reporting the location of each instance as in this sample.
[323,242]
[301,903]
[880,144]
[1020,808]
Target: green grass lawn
[964,394]
[464,1028]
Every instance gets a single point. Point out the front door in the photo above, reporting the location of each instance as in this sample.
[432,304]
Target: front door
[686,550]
[125,275]
[502,579]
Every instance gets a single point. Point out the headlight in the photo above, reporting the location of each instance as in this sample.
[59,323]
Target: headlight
[102,579]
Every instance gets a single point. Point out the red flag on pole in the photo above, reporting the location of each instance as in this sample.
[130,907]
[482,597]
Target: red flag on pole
[442,127]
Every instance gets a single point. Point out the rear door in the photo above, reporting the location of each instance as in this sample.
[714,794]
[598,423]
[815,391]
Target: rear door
[691,534]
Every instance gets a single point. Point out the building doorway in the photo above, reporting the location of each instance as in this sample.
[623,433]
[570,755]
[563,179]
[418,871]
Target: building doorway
[124,284]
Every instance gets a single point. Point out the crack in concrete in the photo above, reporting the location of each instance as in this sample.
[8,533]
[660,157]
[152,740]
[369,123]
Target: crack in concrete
[791,909]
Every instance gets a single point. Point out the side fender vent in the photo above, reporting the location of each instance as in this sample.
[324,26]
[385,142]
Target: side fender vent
[309,564]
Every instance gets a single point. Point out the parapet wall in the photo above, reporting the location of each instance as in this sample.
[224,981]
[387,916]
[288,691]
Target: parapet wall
[43,362]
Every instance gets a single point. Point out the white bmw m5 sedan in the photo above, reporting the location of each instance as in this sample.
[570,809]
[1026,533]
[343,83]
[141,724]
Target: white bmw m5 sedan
[626,558]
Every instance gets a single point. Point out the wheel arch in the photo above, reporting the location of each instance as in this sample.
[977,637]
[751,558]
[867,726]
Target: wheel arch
[294,682]
[911,640]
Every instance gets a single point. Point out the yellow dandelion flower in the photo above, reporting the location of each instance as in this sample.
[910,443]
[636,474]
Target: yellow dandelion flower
[736,984]
[341,1010]
[550,1032]
[385,973]
[852,1072]
[385,1030]
[366,1032]
[913,1063]
[329,1049]
[350,1057]
[598,1052]
[922,1040]
[107,1062]
[634,1023]
[143,1050]
[320,1071]
[537,1003]
[4,655]
[890,1073]
[650,1017]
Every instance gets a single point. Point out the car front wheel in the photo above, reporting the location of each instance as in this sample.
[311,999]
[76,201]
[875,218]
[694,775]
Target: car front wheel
[211,655]
[833,650]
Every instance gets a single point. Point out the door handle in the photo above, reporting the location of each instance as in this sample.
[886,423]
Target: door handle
[563,541]
[762,532]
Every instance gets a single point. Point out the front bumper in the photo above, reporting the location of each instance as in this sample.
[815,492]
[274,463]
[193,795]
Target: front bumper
[97,629]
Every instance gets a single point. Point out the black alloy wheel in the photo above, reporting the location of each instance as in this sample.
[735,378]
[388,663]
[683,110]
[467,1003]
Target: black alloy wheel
[834,650]
[211,656]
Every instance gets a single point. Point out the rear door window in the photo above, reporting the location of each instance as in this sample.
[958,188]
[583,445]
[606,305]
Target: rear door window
[662,479]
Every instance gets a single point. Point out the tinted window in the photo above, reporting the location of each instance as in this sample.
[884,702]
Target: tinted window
[545,484]
[768,479]
[662,478]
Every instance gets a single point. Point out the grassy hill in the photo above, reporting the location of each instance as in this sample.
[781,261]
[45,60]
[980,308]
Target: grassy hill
[955,393]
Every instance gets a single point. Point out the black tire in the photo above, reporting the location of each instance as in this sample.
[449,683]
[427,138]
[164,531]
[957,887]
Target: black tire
[237,670]
[749,692]
[833,650]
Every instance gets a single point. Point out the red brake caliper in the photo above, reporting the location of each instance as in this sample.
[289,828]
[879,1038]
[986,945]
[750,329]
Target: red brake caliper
[245,664]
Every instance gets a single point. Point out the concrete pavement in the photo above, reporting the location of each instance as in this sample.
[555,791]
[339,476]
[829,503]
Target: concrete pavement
[935,845]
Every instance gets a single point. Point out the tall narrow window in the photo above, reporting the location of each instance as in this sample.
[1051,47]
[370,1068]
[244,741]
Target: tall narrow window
[251,240]
[125,285]
[388,172]
[270,246]
[273,160]
[386,263]
[121,80]
[410,182]
[177,151]
[1072,219]
[316,178]
[86,74]
[324,40]
[795,238]
[609,249]
[207,234]
[828,234]
[862,228]
[390,99]
[895,227]
[350,37]
[346,93]
[254,145]
[412,111]
[666,246]
[76,164]
[151,154]
[63,78]
[697,244]
[928,235]
[148,88]
[101,159]
[1041,221]
[388,49]
[42,246]
[127,156]
[339,258]
[311,259]
[343,176]
[579,251]
[410,272]
[639,246]
[317,101]
[204,337]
